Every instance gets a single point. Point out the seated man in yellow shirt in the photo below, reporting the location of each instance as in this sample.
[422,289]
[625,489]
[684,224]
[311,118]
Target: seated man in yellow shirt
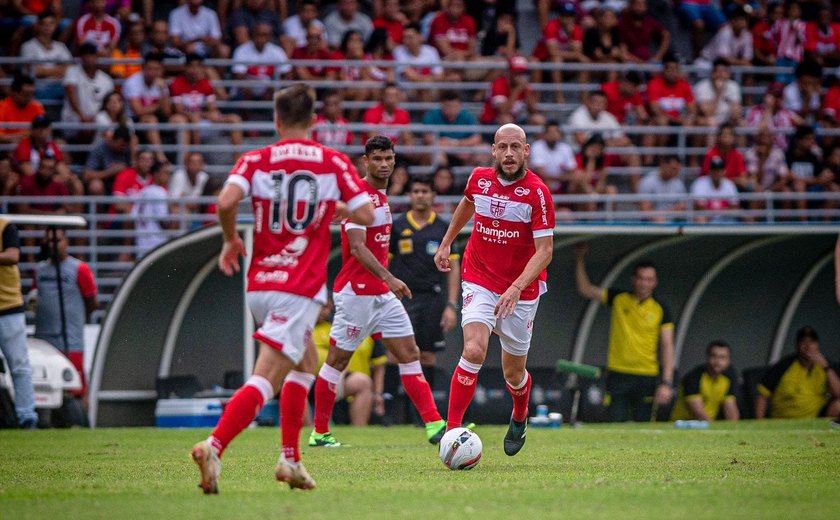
[709,388]
[364,377]
[800,386]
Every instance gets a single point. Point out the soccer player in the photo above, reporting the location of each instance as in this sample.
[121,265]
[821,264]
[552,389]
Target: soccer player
[295,185]
[503,273]
[367,303]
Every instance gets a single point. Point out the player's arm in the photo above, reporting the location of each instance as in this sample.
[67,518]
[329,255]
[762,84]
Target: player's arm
[233,246]
[11,254]
[453,281]
[356,240]
[585,287]
[536,264]
[463,213]
[760,406]
[695,406]
[665,391]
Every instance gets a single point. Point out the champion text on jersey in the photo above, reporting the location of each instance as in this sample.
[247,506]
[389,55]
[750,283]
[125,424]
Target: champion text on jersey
[496,233]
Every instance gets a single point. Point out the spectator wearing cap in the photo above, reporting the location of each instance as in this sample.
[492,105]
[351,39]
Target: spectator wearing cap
[27,157]
[772,115]
[85,87]
[719,97]
[643,39]
[511,98]
[195,29]
[454,33]
[822,38]
[418,62]
[732,43]
[700,15]
[99,28]
[47,54]
[714,195]
[19,107]
[804,95]
[43,184]
[801,385]
[561,41]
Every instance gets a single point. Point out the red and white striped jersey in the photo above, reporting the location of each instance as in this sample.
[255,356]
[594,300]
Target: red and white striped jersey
[100,33]
[508,217]
[294,186]
[354,277]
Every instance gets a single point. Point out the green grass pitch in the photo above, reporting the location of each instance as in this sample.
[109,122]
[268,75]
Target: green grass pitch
[783,469]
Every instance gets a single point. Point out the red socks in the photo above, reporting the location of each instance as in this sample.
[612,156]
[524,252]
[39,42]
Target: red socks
[292,408]
[520,396]
[245,404]
[461,392]
[418,390]
[325,394]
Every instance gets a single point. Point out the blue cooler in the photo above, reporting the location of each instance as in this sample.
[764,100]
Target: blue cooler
[188,413]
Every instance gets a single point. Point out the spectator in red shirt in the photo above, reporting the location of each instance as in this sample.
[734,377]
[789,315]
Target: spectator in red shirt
[624,100]
[392,20]
[194,99]
[19,107]
[561,42]
[389,116]
[453,32]
[315,49]
[736,168]
[670,96]
[822,38]
[643,39]
[42,184]
[511,98]
[28,153]
[99,28]
[330,124]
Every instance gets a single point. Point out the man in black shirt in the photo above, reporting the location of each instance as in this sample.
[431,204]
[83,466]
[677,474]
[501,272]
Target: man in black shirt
[415,238]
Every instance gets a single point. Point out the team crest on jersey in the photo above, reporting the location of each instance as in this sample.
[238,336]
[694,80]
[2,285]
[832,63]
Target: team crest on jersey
[468,298]
[520,191]
[353,331]
[497,208]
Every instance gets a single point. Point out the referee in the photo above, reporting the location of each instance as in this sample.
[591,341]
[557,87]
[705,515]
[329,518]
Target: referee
[415,237]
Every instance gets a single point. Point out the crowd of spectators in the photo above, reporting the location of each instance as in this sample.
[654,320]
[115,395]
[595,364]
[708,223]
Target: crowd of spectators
[762,141]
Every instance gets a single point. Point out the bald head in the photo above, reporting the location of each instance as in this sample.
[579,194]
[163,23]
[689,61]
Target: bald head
[510,130]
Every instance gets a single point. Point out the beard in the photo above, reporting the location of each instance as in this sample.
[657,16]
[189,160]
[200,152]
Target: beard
[515,176]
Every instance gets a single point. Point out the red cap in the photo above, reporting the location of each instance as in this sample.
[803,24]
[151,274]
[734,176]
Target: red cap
[518,64]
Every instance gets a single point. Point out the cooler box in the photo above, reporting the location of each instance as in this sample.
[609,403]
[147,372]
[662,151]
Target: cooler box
[188,413]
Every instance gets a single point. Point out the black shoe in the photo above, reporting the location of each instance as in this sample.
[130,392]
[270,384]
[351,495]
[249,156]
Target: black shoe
[515,436]
[29,424]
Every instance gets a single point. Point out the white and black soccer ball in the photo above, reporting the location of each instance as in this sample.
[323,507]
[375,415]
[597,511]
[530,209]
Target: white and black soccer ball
[460,448]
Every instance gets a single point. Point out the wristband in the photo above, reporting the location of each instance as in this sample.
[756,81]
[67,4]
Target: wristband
[452,305]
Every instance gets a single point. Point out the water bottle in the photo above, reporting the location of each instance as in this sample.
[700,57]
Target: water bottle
[692,425]
[555,419]
[542,411]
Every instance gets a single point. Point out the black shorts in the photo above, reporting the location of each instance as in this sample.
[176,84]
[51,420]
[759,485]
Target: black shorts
[425,311]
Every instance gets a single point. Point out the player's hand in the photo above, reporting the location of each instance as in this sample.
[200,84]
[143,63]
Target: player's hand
[664,393]
[815,356]
[442,259]
[229,258]
[507,303]
[341,212]
[378,404]
[448,319]
[398,287]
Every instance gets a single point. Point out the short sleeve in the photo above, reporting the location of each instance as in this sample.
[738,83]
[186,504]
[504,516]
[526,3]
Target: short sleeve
[243,172]
[691,382]
[609,295]
[11,237]
[734,380]
[542,213]
[348,180]
[87,284]
[771,379]
[667,319]
[470,188]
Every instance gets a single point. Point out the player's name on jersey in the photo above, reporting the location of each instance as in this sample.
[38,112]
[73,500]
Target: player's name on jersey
[298,151]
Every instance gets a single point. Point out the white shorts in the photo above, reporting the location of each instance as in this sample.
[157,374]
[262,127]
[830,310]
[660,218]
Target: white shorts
[357,317]
[286,320]
[514,331]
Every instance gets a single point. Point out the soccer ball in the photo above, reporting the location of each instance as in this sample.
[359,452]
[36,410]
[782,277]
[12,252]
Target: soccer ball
[460,448]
